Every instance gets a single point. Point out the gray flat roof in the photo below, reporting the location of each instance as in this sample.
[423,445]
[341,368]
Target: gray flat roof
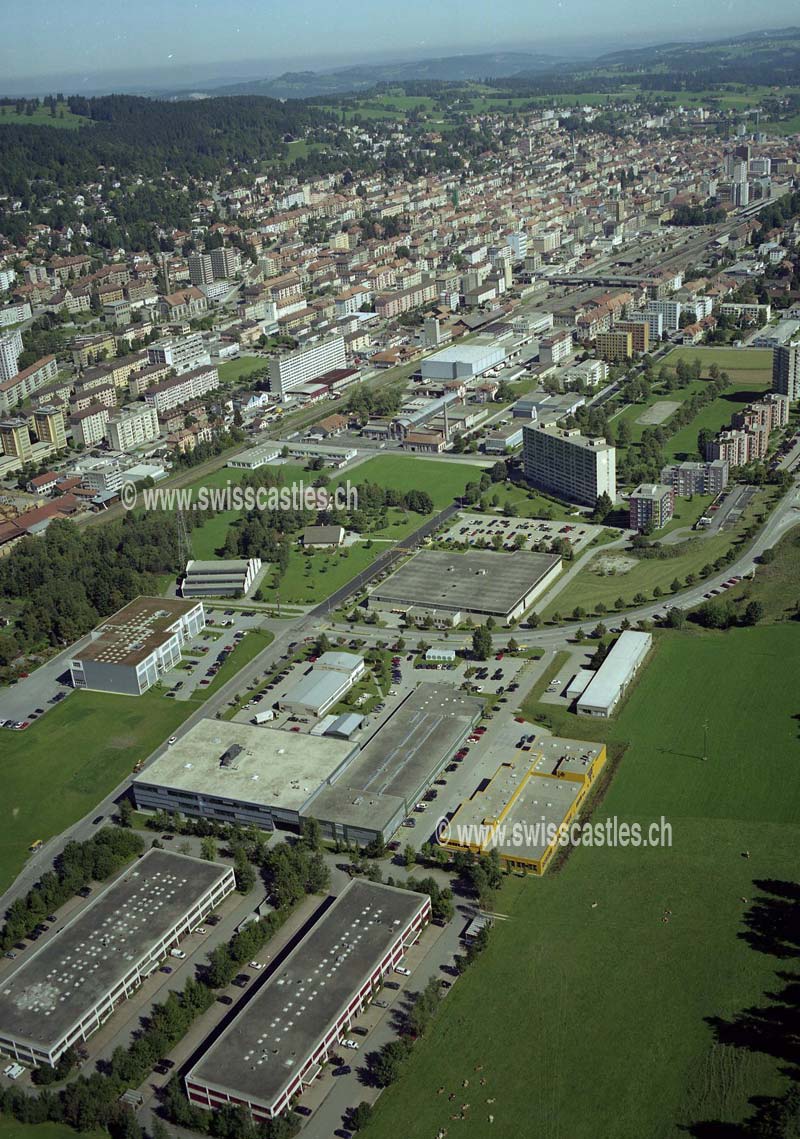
[223,566]
[274,768]
[266,1046]
[615,670]
[317,688]
[482,580]
[402,756]
[69,973]
[344,662]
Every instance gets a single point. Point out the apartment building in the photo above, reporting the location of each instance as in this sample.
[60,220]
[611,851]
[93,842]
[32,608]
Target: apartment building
[18,388]
[48,423]
[568,464]
[616,345]
[179,353]
[10,352]
[15,439]
[786,369]
[304,365]
[670,312]
[640,334]
[651,506]
[180,389]
[133,427]
[556,347]
[696,477]
[89,426]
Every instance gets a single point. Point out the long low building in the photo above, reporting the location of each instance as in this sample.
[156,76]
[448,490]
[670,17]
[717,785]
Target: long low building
[72,983]
[229,577]
[136,646]
[603,693]
[229,771]
[527,804]
[276,1047]
[234,772]
[482,583]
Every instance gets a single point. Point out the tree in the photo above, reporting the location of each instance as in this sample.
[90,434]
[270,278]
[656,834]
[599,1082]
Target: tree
[753,613]
[360,1115]
[125,812]
[481,643]
[704,437]
[385,1065]
[409,856]
[767,556]
[603,507]
[676,618]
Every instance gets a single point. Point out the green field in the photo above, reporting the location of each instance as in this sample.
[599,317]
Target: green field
[10,1129]
[43,118]
[234,371]
[730,360]
[80,750]
[442,479]
[590,587]
[593,1020]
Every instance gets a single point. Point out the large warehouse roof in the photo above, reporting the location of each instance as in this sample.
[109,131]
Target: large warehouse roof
[400,760]
[267,1045]
[71,972]
[481,581]
[272,769]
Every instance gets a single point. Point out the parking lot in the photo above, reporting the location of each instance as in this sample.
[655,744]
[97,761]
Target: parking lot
[510,534]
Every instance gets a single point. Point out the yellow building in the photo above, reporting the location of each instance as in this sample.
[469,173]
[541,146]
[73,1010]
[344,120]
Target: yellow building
[528,804]
[613,346]
[15,439]
[48,423]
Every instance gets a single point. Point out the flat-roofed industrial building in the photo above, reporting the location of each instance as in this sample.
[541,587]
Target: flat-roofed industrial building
[72,983]
[482,583]
[527,804]
[603,693]
[234,772]
[381,785]
[224,770]
[276,1047]
[131,650]
[323,685]
[223,577]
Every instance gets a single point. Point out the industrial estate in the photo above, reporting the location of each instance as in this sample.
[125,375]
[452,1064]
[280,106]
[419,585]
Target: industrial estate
[399,578]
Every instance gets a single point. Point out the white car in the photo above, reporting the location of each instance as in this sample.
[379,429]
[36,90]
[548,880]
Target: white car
[13,1071]
[401,969]
[255,965]
[350,1044]
[201,929]
[172,740]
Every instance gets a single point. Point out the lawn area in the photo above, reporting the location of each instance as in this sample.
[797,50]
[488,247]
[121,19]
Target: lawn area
[10,1129]
[310,578]
[82,749]
[78,751]
[442,479]
[591,1015]
[233,371]
[530,503]
[591,586]
[730,360]
[776,585]
[43,118]
[716,415]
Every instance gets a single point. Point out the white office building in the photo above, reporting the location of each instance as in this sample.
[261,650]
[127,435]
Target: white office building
[603,693]
[181,353]
[10,352]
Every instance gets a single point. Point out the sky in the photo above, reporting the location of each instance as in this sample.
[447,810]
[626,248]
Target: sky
[190,40]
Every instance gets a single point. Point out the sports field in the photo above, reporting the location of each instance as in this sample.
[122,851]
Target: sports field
[590,1014]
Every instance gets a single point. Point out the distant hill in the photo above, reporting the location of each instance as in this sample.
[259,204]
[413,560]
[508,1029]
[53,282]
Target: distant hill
[344,80]
[771,58]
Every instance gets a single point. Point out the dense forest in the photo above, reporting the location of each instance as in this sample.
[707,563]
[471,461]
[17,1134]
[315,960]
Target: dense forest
[132,135]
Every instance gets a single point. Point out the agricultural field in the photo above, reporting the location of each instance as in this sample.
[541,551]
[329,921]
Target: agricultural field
[564,975]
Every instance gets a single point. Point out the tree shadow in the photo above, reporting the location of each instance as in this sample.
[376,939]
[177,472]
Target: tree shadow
[772,926]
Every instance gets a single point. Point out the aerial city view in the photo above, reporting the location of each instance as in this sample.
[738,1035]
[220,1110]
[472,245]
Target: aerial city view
[400,570]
